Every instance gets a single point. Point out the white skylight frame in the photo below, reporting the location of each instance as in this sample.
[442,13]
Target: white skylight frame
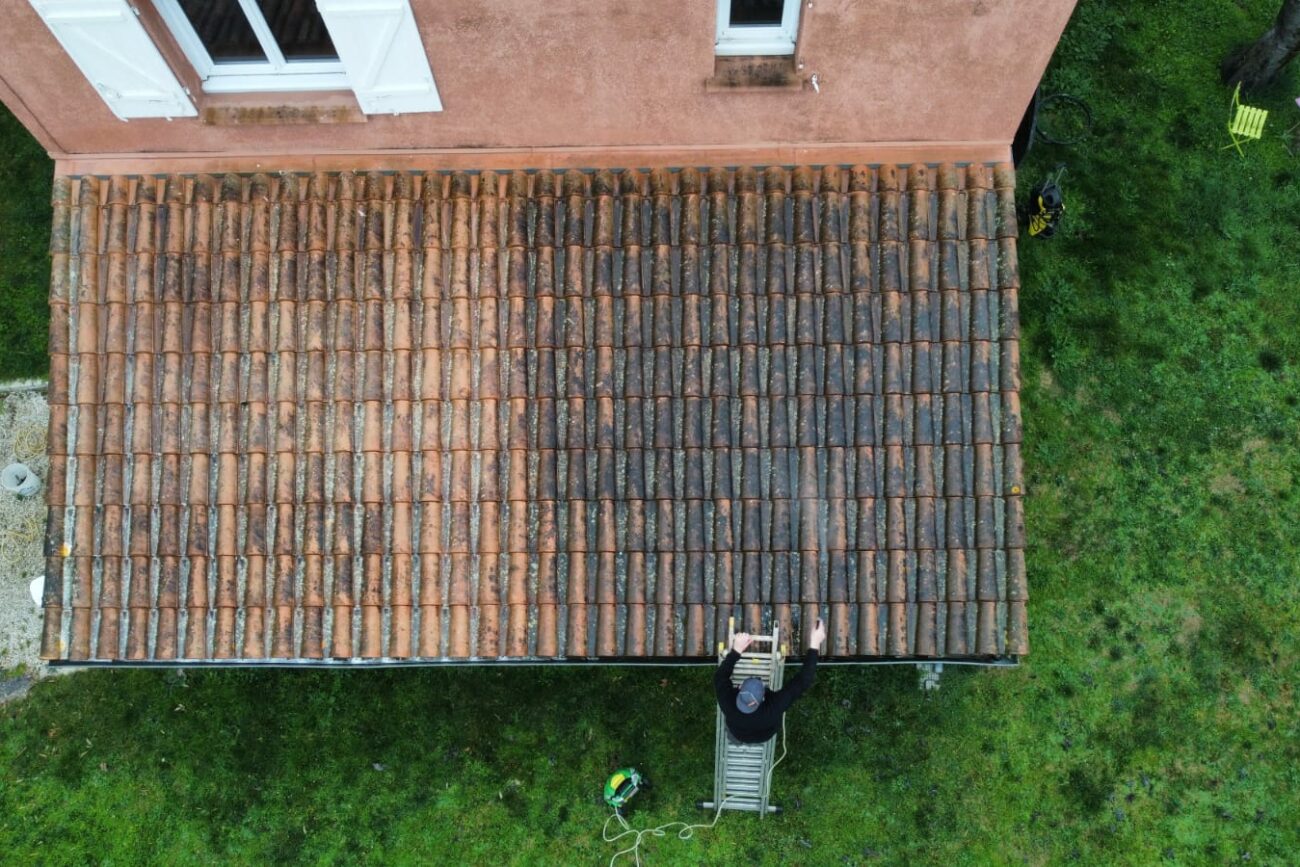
[751,39]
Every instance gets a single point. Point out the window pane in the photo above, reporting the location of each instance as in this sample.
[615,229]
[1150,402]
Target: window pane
[223,29]
[298,29]
[764,13]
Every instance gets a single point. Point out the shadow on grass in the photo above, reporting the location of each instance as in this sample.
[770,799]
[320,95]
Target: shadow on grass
[26,176]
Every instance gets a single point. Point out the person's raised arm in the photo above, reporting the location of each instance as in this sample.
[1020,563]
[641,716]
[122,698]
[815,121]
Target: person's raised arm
[784,697]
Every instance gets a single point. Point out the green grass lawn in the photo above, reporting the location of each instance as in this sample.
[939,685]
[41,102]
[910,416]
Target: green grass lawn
[1154,722]
[25,174]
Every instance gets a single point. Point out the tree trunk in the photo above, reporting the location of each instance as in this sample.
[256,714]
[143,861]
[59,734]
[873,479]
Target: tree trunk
[1258,64]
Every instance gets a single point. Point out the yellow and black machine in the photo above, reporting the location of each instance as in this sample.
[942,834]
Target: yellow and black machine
[1046,205]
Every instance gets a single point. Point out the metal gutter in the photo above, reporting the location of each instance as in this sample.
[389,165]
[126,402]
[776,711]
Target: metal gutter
[643,662]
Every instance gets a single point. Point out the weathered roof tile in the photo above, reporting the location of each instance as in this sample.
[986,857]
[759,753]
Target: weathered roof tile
[550,472]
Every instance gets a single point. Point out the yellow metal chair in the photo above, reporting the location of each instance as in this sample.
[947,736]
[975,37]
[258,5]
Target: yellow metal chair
[1247,122]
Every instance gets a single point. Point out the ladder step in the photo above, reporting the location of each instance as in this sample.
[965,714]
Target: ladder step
[743,759]
[754,784]
[747,763]
[743,804]
[747,767]
[746,773]
[754,787]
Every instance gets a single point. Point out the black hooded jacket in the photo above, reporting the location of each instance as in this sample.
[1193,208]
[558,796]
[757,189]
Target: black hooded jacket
[756,727]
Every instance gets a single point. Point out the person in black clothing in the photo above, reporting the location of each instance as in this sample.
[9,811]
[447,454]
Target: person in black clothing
[753,715]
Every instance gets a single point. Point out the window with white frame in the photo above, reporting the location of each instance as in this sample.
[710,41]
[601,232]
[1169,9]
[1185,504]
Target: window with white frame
[256,45]
[371,47]
[747,27]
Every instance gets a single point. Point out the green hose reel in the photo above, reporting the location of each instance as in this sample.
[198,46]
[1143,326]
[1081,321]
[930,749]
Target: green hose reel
[621,786]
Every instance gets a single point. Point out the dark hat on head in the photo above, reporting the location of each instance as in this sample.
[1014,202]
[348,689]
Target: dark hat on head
[751,695]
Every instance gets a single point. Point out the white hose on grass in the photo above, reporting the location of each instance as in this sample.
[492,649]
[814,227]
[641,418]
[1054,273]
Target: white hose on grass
[687,831]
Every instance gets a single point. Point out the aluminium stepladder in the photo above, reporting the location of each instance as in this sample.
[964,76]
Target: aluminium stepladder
[742,772]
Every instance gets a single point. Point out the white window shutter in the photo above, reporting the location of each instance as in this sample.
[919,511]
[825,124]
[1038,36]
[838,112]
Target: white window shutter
[112,49]
[380,47]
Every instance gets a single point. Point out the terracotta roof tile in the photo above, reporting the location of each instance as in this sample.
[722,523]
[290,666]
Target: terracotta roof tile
[558,418]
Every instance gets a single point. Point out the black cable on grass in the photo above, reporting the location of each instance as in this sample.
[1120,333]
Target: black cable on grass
[1072,105]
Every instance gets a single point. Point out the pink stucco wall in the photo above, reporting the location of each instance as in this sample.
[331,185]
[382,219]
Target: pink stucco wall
[610,73]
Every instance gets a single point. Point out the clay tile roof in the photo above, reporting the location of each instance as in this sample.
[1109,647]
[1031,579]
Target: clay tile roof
[476,416]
